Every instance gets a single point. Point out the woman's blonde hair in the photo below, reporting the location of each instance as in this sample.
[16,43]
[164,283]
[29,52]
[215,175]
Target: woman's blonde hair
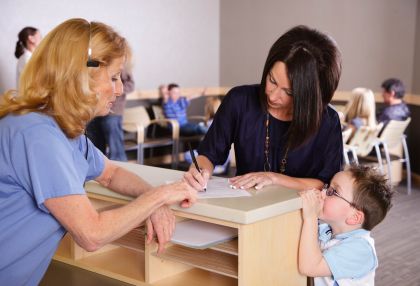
[56,81]
[362,105]
[211,106]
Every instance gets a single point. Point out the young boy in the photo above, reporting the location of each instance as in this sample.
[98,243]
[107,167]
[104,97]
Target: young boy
[340,251]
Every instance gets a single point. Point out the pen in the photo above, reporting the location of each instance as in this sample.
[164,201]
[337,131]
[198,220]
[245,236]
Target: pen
[195,160]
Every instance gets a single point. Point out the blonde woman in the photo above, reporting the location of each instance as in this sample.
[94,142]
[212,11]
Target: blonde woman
[360,110]
[73,76]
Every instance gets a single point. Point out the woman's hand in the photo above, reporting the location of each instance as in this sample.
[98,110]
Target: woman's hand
[256,180]
[179,192]
[161,222]
[197,180]
[313,202]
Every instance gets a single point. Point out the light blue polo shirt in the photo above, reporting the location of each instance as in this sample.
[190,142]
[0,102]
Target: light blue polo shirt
[351,255]
[37,162]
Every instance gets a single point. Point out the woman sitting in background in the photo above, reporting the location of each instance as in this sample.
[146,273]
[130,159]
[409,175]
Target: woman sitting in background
[360,110]
[210,109]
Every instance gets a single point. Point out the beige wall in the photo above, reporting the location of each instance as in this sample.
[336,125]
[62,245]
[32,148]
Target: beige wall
[376,37]
[173,41]
[213,42]
[416,72]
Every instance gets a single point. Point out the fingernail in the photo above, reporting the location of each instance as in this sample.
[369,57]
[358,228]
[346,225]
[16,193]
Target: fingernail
[257,187]
[242,187]
[233,187]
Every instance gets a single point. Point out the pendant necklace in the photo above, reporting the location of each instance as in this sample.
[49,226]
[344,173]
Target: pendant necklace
[283,162]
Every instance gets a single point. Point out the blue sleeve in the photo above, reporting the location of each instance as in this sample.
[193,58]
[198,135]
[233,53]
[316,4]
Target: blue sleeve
[357,122]
[384,116]
[352,258]
[219,138]
[96,159]
[49,166]
[184,102]
[333,149]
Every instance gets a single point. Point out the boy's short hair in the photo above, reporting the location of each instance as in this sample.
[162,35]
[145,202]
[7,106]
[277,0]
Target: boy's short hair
[172,85]
[394,85]
[372,194]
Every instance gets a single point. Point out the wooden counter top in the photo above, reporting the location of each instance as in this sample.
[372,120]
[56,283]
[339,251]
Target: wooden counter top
[269,202]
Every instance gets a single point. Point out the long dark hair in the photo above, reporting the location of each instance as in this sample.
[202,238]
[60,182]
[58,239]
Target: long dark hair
[23,36]
[313,64]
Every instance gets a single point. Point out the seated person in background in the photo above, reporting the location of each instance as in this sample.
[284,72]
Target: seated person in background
[360,110]
[396,108]
[340,251]
[163,94]
[176,108]
[210,109]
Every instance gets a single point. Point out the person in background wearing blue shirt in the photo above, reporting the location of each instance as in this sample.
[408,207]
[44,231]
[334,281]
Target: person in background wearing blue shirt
[175,107]
[73,76]
[395,107]
[340,251]
[283,130]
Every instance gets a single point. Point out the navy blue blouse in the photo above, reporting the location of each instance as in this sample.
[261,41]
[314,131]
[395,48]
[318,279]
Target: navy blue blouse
[240,120]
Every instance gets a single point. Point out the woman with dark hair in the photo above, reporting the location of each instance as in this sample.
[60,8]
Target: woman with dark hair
[28,40]
[283,130]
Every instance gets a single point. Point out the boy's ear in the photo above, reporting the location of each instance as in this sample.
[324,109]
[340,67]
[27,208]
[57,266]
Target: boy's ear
[357,217]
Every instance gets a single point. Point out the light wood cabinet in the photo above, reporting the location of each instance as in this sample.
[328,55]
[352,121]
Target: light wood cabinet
[264,253]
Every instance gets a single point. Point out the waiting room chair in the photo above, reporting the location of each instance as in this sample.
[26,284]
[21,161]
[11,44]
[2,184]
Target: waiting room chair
[136,120]
[347,148]
[392,137]
[159,115]
[362,143]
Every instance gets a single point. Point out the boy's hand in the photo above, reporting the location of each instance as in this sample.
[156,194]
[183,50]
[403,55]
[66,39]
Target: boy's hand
[313,202]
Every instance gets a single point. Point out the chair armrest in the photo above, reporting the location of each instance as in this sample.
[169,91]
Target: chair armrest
[174,126]
[198,118]
[349,147]
[132,127]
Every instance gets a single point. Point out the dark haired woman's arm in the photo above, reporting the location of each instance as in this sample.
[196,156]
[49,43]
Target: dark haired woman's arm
[258,180]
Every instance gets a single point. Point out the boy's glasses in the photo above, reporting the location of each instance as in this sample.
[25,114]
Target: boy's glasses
[330,191]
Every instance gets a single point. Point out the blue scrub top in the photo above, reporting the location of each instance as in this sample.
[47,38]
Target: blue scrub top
[37,162]
[240,120]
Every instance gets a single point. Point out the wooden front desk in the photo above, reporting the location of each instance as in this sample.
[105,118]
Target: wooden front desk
[264,253]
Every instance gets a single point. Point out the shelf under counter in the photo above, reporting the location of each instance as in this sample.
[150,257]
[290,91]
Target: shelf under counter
[120,263]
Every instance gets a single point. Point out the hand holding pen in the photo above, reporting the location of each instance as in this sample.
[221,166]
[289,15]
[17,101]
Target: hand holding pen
[196,177]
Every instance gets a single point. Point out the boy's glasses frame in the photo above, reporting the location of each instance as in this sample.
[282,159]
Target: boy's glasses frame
[330,191]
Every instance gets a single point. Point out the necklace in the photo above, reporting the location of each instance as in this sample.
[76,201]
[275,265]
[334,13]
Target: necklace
[283,162]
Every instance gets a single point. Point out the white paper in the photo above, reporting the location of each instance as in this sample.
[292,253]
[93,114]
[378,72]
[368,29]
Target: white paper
[220,188]
[199,234]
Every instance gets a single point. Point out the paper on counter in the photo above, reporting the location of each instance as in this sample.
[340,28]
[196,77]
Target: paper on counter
[220,188]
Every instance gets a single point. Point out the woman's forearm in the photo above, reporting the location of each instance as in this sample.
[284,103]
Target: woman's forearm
[122,181]
[90,229]
[309,252]
[299,184]
[113,224]
[204,163]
